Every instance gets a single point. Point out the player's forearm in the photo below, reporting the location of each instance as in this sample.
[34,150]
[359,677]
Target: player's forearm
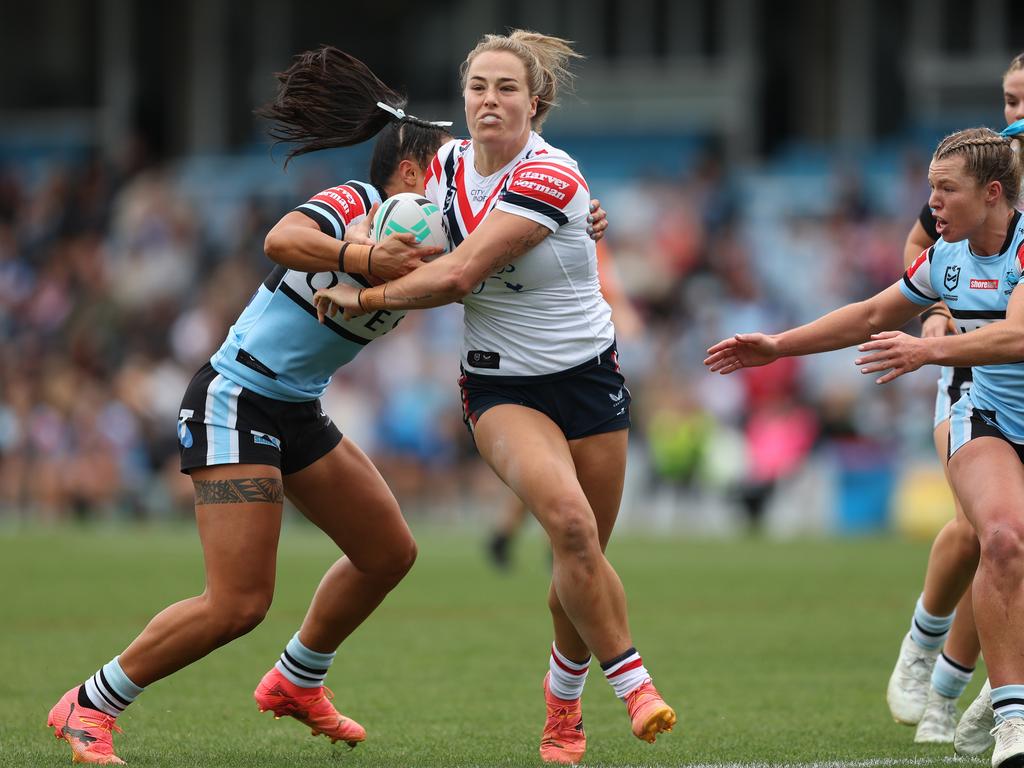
[839,329]
[310,250]
[432,285]
[995,344]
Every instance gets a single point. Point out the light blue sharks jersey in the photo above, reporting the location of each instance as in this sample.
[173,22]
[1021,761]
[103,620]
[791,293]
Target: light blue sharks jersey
[276,347]
[977,289]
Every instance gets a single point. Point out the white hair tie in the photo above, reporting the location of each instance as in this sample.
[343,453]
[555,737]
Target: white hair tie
[399,114]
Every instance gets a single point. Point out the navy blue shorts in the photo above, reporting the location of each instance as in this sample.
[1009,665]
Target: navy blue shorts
[221,422]
[589,399]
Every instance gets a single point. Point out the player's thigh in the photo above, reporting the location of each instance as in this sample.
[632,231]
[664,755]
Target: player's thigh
[988,478]
[238,515]
[528,451]
[344,495]
[601,470]
[941,437]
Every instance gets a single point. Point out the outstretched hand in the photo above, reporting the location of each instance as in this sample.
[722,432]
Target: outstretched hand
[892,351]
[744,350]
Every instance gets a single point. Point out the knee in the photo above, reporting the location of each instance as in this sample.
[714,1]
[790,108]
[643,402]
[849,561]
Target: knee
[391,566]
[573,529]
[1002,544]
[966,538]
[400,561]
[238,615]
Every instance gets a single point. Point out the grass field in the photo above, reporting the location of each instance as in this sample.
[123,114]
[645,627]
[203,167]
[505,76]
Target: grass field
[772,653]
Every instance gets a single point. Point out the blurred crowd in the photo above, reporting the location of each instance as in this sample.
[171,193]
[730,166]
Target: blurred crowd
[117,283]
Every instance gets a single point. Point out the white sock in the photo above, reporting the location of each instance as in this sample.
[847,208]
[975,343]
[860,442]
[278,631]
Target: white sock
[626,672]
[567,676]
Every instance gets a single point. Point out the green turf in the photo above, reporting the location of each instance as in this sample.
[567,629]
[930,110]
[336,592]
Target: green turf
[771,652]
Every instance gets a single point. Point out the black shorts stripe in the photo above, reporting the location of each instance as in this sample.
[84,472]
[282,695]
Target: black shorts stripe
[537,206]
[961,376]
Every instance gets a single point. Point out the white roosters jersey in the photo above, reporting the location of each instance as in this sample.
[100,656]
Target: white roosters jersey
[276,347]
[543,313]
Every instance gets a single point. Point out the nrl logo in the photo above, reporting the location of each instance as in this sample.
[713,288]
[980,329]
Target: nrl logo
[952,278]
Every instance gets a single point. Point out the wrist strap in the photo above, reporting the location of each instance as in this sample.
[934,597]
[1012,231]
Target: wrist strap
[935,311]
[341,257]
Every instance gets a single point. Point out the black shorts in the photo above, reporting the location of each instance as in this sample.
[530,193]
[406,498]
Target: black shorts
[587,400]
[968,423]
[221,422]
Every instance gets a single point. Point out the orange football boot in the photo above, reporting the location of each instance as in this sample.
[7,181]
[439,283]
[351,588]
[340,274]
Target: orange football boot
[563,739]
[649,712]
[311,706]
[88,731]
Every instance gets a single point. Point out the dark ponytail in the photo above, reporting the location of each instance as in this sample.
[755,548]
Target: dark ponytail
[326,99]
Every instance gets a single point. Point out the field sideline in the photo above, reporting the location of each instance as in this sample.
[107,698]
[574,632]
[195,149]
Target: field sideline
[773,653]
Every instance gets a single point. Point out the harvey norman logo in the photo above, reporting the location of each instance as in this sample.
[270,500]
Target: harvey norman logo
[984,285]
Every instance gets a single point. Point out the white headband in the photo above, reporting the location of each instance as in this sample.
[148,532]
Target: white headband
[400,115]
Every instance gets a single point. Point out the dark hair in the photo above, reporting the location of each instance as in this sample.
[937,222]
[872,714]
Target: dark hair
[328,98]
[405,139]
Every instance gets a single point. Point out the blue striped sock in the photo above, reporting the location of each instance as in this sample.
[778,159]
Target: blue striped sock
[1007,702]
[950,678]
[305,668]
[929,631]
[110,690]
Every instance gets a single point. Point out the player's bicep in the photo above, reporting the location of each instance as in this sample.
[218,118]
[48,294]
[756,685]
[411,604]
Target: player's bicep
[892,308]
[294,219]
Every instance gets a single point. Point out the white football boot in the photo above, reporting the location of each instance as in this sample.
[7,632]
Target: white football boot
[910,682]
[1009,749]
[938,723]
[974,731]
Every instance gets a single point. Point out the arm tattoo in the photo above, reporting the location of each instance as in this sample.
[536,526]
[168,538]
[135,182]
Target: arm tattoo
[516,248]
[254,489]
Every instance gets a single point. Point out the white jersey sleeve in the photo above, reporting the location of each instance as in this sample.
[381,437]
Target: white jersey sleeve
[917,280]
[548,190]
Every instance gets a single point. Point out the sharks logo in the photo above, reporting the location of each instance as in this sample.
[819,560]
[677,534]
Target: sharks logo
[952,277]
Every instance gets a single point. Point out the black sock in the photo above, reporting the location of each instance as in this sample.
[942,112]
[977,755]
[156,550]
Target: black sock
[83,698]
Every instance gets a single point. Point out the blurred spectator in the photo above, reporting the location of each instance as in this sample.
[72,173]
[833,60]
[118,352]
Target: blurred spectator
[115,285]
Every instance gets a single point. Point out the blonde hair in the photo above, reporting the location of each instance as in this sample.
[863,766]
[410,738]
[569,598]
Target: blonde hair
[1016,63]
[546,60]
[988,156]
